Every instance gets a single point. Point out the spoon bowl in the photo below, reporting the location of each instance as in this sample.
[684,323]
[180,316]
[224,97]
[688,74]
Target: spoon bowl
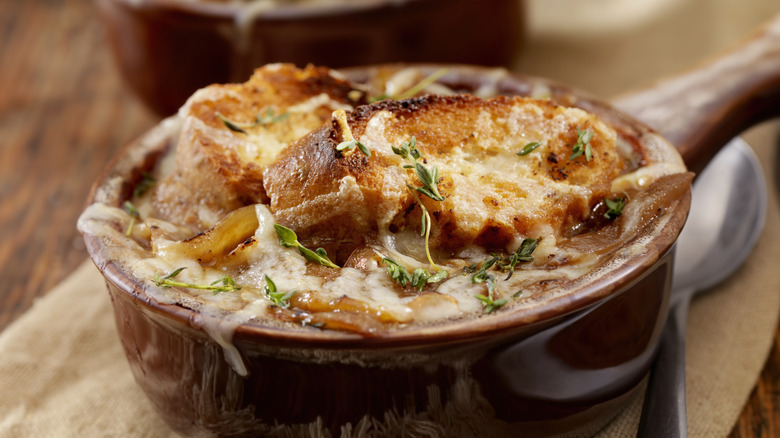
[724,223]
[726,218]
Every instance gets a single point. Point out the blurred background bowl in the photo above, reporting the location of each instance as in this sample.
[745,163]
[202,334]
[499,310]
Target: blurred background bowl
[167,49]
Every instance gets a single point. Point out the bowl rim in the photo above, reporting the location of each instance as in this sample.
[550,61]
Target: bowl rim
[504,323]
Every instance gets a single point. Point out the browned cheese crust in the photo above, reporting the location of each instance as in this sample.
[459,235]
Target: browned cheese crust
[493,197]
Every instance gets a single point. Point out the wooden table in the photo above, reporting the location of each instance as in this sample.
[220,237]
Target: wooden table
[63,114]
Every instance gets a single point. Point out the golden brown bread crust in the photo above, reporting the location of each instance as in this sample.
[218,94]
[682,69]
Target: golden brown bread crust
[493,197]
[219,170]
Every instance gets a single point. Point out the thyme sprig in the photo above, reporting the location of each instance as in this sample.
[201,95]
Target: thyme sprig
[482,276]
[615,207]
[397,272]
[489,304]
[582,146]
[130,208]
[281,299]
[288,239]
[429,177]
[504,264]
[418,279]
[268,118]
[408,150]
[224,284]
[523,254]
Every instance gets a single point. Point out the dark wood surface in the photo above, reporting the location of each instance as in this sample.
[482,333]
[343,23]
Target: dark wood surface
[63,114]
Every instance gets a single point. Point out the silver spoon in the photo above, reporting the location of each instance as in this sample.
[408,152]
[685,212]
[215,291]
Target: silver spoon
[725,220]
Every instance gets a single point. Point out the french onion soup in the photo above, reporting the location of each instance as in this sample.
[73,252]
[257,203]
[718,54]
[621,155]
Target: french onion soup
[301,199]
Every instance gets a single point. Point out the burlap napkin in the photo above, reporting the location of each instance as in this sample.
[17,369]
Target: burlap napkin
[63,373]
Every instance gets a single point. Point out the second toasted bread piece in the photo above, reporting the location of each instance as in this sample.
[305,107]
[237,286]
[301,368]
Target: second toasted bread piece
[493,197]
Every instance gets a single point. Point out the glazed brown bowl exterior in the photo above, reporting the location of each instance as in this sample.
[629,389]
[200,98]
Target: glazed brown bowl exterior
[167,49]
[565,365]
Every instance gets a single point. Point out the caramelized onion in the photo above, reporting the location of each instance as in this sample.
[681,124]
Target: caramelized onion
[359,323]
[311,302]
[219,240]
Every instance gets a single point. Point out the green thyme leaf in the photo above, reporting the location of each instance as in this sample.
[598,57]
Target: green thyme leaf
[529,148]
[418,279]
[526,250]
[363,149]
[288,239]
[615,207]
[173,274]
[224,284]
[270,286]
[429,177]
[233,126]
[583,145]
[397,272]
[280,299]
[319,256]
[425,175]
[351,144]
[264,120]
[437,277]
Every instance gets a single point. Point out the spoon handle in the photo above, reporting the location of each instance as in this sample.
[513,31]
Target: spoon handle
[700,110]
[663,413]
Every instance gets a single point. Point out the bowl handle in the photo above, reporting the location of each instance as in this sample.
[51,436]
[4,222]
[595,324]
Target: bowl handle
[701,109]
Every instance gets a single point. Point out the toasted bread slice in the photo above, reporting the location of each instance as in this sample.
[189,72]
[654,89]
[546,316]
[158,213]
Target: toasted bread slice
[230,133]
[492,197]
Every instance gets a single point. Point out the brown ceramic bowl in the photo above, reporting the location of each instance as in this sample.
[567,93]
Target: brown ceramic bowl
[565,364]
[167,49]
